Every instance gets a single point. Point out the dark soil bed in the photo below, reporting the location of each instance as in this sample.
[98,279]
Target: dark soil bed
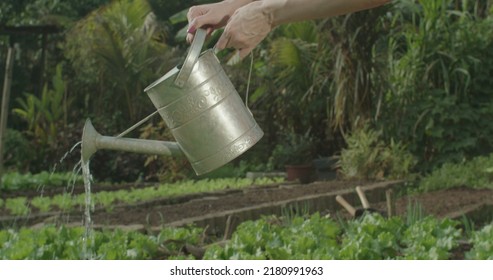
[159,212]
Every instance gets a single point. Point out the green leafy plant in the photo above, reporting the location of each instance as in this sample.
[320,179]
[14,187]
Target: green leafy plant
[474,173]
[42,203]
[316,237]
[430,239]
[44,114]
[482,245]
[438,99]
[372,237]
[293,237]
[17,206]
[54,243]
[64,202]
[272,238]
[109,200]
[367,156]
[16,180]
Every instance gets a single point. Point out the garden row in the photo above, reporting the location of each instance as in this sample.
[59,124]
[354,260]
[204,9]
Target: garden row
[286,237]
[107,200]
[476,173]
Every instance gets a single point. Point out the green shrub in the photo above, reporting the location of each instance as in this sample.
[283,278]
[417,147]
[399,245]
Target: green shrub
[368,157]
[440,64]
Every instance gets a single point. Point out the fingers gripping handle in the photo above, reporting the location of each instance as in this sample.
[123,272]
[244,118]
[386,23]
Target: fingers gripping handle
[191,59]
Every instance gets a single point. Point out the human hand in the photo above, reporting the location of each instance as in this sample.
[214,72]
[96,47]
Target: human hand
[246,28]
[211,16]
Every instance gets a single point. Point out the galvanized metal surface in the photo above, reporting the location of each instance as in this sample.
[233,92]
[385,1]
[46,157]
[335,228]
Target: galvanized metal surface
[198,102]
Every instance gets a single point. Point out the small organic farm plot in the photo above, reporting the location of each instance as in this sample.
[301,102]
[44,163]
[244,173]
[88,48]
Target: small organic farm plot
[168,221]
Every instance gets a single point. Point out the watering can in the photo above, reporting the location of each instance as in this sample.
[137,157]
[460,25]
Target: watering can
[201,107]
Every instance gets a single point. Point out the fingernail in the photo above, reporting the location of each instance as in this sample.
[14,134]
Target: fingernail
[191,29]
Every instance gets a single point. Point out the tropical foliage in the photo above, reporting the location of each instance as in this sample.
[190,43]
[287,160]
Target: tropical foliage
[416,70]
[118,47]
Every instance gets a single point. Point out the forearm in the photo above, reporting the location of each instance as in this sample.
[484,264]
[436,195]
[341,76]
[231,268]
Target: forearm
[235,4]
[284,11]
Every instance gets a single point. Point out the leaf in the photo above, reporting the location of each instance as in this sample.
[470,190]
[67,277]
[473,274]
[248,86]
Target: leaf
[179,17]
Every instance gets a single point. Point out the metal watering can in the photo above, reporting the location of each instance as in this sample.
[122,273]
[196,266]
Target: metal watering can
[202,108]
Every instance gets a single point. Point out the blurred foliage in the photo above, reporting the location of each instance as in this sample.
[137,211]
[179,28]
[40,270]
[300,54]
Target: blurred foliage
[439,98]
[18,150]
[44,115]
[117,50]
[475,173]
[34,12]
[24,181]
[293,149]
[47,126]
[367,156]
[160,168]
[419,71]
[355,70]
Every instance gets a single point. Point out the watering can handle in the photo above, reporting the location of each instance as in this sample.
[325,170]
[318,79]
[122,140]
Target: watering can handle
[191,59]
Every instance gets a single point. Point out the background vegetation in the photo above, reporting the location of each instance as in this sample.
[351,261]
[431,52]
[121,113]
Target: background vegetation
[414,75]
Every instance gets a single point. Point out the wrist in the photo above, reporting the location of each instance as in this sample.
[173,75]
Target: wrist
[273,10]
[233,5]
[238,3]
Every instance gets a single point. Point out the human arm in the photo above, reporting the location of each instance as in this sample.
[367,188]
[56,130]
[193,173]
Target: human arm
[250,24]
[285,11]
[212,16]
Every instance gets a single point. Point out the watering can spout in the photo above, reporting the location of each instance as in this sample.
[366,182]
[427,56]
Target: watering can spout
[89,135]
[92,141]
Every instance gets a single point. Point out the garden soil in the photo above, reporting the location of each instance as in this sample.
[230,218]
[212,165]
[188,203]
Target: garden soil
[156,213]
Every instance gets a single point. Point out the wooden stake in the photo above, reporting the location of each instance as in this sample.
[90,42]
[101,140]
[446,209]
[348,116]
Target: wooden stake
[228,231]
[362,197]
[389,195]
[346,205]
